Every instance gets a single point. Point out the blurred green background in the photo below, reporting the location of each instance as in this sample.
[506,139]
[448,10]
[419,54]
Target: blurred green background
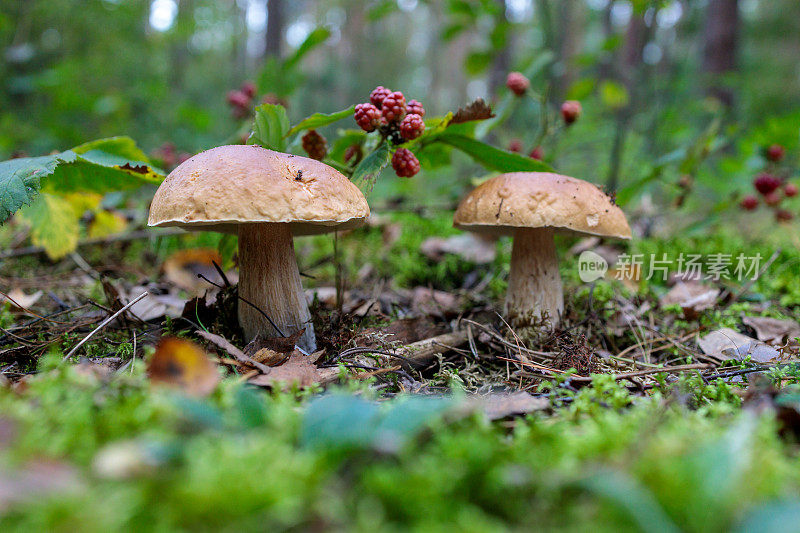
[671,89]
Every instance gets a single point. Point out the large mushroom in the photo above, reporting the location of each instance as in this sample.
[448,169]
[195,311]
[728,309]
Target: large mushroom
[531,206]
[265,198]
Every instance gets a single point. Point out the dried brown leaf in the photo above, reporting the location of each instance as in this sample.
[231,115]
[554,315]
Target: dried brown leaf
[773,330]
[184,365]
[477,110]
[298,369]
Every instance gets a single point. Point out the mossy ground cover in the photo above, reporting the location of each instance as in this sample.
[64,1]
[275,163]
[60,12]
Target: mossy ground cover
[686,453]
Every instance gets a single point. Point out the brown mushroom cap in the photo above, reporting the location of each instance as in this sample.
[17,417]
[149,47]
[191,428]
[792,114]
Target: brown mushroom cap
[222,188]
[540,200]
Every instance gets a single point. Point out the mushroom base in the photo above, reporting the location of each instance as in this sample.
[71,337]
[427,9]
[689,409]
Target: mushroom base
[268,278]
[535,294]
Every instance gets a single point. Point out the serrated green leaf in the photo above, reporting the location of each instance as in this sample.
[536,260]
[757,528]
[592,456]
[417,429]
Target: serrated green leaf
[270,127]
[367,171]
[20,180]
[55,226]
[491,157]
[318,120]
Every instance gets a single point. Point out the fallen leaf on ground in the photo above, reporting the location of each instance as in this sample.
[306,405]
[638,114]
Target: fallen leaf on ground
[773,330]
[153,306]
[36,480]
[427,301]
[282,345]
[725,344]
[468,246]
[182,268]
[19,300]
[299,369]
[184,365]
[501,405]
[233,351]
[691,296]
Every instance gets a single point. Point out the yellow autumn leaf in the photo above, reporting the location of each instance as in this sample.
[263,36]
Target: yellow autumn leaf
[83,201]
[55,226]
[184,365]
[106,223]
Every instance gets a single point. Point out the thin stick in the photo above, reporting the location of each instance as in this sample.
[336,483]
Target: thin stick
[669,369]
[103,324]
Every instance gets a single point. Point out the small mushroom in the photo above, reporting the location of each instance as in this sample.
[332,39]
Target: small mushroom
[531,206]
[265,198]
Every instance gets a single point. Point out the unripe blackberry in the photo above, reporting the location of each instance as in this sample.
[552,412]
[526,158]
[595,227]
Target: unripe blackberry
[749,203]
[393,107]
[378,94]
[315,145]
[766,183]
[790,190]
[782,215]
[517,82]
[411,127]
[237,99]
[537,153]
[249,89]
[775,153]
[367,116]
[772,198]
[414,107]
[515,145]
[404,163]
[570,111]
[353,152]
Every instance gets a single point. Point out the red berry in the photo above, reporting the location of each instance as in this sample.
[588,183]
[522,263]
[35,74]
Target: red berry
[537,153]
[238,99]
[772,198]
[517,82]
[353,152]
[515,145]
[782,215]
[249,89]
[315,145]
[367,116]
[766,183]
[411,127]
[183,156]
[414,107]
[404,163]
[378,94]
[393,107]
[775,153]
[570,111]
[790,190]
[749,203]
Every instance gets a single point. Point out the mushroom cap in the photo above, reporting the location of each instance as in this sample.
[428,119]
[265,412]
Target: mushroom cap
[540,200]
[224,187]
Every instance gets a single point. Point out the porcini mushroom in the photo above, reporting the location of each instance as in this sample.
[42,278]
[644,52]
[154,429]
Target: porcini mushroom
[531,206]
[265,198]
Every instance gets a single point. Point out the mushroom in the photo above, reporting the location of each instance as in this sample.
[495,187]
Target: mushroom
[265,198]
[531,206]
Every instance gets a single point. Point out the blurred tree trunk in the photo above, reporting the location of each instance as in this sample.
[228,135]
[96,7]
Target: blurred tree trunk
[502,60]
[275,24]
[570,29]
[721,36]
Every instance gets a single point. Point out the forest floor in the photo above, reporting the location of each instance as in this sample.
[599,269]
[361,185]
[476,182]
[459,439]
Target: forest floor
[660,403]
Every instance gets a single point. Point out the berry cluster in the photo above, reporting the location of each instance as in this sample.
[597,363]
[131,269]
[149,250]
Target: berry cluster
[772,188]
[315,145]
[397,121]
[515,145]
[241,99]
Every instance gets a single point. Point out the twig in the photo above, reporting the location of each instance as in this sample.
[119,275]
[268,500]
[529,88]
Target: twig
[668,370]
[103,324]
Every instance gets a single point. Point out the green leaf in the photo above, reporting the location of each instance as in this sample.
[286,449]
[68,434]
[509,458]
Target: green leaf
[367,171]
[20,180]
[318,120]
[227,246]
[270,127]
[55,226]
[491,157]
[613,94]
[314,39]
[99,166]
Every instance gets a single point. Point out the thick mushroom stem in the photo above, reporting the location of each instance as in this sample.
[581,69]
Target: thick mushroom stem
[268,277]
[534,285]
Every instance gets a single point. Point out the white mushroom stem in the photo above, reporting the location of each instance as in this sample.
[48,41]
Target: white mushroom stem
[534,285]
[268,277]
